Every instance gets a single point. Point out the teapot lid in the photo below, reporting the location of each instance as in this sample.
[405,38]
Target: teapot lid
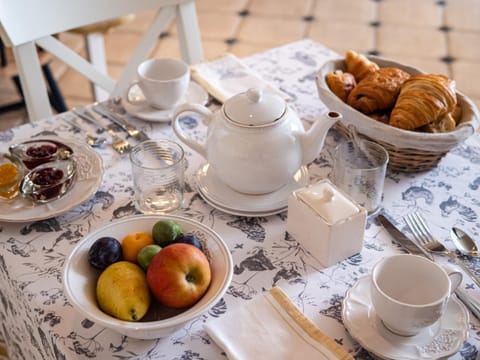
[254,107]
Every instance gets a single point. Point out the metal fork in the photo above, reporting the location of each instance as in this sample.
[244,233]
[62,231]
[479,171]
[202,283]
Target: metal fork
[120,145]
[424,237]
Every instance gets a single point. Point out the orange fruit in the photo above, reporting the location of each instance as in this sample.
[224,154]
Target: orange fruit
[133,243]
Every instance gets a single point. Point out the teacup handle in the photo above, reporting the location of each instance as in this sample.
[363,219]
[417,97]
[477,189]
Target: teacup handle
[127,94]
[456,278]
[177,129]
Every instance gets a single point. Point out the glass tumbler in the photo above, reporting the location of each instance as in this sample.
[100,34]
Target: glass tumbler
[158,176]
[360,172]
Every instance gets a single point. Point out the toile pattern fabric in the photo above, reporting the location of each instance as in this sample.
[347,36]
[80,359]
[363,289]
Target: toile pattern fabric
[37,322]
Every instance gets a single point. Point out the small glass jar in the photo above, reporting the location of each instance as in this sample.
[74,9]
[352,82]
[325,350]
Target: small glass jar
[11,174]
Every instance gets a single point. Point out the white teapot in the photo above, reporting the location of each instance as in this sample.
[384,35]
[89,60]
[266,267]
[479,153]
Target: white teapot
[255,143]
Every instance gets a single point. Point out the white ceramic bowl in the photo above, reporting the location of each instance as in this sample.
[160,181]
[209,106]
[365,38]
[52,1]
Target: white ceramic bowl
[79,278]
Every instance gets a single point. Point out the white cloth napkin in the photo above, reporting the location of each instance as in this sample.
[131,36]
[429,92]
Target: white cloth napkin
[228,76]
[271,327]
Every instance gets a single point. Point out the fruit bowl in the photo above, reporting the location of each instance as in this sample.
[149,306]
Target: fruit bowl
[79,278]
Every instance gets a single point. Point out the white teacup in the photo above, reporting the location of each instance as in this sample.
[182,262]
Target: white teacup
[163,82]
[410,292]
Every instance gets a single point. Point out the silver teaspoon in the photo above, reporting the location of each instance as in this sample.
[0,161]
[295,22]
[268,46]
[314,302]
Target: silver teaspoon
[464,242]
[93,141]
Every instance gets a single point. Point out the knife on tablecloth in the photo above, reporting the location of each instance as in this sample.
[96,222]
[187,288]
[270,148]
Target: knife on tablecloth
[401,239]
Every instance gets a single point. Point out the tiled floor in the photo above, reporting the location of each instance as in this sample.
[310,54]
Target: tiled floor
[439,36]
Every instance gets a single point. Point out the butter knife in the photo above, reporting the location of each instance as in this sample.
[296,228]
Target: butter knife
[120,121]
[401,239]
[88,117]
[412,248]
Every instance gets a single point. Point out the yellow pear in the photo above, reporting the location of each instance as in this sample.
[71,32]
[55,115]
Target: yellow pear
[122,291]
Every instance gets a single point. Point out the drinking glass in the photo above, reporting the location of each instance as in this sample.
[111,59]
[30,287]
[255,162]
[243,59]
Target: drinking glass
[158,176]
[359,170]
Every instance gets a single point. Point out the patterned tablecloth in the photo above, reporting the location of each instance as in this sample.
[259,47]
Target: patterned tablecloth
[37,322]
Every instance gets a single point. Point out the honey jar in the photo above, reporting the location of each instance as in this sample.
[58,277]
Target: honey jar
[11,173]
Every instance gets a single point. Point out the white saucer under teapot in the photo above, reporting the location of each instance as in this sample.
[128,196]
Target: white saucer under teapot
[255,142]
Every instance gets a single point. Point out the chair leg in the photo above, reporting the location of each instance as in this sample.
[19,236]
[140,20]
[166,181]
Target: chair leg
[15,105]
[3,55]
[55,95]
[95,46]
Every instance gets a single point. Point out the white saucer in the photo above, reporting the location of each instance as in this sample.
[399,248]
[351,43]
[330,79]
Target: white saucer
[142,110]
[224,198]
[442,339]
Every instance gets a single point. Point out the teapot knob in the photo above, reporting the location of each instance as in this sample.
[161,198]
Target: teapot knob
[254,94]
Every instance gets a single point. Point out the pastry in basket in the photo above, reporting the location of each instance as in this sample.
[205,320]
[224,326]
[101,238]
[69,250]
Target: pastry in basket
[358,65]
[378,90]
[341,83]
[425,99]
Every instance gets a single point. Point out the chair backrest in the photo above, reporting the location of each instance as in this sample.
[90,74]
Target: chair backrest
[27,23]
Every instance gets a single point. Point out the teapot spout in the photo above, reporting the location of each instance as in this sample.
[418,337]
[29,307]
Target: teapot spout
[312,140]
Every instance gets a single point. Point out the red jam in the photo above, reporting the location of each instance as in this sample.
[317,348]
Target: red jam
[47,176]
[39,154]
[41,151]
[50,178]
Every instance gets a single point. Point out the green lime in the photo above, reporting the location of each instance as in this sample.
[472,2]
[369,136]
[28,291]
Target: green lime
[146,254]
[164,232]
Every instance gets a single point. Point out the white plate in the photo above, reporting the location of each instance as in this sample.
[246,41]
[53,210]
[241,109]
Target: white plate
[195,95]
[221,196]
[442,339]
[89,178]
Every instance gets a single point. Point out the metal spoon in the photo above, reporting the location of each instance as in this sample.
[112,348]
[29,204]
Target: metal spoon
[93,141]
[464,242]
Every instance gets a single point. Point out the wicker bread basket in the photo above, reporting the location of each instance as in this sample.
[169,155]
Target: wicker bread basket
[410,151]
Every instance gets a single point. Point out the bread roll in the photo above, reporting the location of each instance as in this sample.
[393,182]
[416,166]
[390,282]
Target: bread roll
[341,83]
[378,90]
[424,99]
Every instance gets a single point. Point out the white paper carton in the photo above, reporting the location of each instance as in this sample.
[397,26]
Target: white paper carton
[326,221]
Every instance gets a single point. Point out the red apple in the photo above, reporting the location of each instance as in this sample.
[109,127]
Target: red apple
[179,275]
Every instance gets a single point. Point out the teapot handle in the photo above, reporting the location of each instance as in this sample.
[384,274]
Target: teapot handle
[177,129]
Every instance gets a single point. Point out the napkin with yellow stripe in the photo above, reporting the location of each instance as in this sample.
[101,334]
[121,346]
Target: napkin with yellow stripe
[272,327]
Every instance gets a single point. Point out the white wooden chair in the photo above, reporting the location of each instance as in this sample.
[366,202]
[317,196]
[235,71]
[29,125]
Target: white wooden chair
[25,24]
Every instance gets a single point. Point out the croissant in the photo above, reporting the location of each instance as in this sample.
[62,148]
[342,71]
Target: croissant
[423,99]
[378,90]
[341,83]
[445,124]
[359,65]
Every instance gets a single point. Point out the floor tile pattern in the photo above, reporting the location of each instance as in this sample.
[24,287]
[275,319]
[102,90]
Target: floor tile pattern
[438,36]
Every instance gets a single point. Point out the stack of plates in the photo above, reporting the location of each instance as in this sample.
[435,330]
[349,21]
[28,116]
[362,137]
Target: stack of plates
[224,198]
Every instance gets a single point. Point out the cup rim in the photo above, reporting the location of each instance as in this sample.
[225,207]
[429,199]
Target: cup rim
[372,144]
[173,143]
[169,60]
[398,302]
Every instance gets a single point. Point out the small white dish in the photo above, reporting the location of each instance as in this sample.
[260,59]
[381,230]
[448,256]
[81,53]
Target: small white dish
[89,177]
[142,110]
[442,339]
[224,198]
